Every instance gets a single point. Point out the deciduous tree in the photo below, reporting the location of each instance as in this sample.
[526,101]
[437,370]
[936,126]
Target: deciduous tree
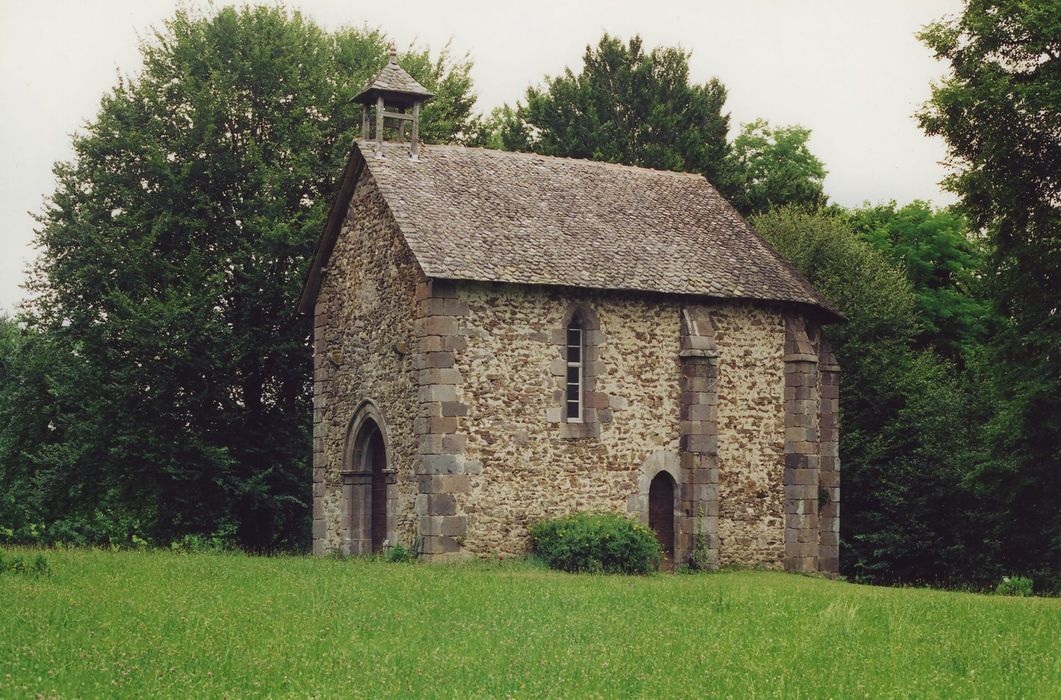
[774,167]
[906,439]
[626,105]
[172,255]
[945,265]
[999,111]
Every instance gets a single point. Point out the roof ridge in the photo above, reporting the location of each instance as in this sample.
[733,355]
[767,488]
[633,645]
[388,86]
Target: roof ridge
[531,154]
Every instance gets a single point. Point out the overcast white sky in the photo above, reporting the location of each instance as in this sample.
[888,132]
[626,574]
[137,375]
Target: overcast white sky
[851,70]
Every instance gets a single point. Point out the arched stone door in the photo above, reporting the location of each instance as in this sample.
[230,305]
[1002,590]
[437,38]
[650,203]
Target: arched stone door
[376,454]
[661,515]
[367,481]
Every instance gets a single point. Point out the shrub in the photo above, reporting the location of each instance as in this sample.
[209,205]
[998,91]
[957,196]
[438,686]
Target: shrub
[217,543]
[18,565]
[401,554]
[596,543]
[1015,585]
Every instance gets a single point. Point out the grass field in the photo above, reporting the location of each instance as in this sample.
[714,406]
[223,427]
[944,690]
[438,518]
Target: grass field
[150,624]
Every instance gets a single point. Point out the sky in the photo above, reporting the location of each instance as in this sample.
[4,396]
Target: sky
[850,70]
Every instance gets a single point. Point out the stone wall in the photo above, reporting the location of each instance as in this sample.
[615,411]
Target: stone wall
[750,434]
[363,331]
[527,467]
[467,382]
[829,464]
[802,452]
[699,509]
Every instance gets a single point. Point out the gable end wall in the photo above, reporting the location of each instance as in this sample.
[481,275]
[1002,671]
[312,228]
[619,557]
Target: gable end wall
[468,381]
[363,329]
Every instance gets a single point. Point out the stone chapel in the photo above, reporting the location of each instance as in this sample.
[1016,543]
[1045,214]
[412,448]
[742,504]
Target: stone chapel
[501,337]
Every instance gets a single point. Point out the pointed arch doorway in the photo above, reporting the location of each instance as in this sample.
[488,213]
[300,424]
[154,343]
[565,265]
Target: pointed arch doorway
[367,480]
[375,464]
[661,515]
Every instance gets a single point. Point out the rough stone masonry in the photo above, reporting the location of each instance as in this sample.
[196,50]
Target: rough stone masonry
[504,337]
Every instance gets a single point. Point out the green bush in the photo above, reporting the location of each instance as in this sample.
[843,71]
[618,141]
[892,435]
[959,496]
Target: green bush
[221,541]
[596,543]
[400,554]
[18,565]
[1015,585]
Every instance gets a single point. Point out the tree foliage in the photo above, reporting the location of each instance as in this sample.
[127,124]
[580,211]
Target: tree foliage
[637,107]
[905,442]
[626,105]
[774,167]
[999,110]
[172,255]
[944,264]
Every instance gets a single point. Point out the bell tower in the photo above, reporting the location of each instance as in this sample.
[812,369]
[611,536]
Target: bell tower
[396,97]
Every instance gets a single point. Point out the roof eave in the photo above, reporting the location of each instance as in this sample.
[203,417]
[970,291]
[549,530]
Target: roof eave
[369,94]
[823,310]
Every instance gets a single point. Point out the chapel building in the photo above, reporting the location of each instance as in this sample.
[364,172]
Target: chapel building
[501,337]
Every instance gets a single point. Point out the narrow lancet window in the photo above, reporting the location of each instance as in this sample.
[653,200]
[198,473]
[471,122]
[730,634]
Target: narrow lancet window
[574,369]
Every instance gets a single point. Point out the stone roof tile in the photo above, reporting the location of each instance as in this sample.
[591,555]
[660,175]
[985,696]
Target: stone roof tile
[477,214]
[392,80]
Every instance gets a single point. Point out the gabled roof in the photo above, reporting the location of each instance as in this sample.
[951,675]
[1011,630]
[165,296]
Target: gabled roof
[477,214]
[394,84]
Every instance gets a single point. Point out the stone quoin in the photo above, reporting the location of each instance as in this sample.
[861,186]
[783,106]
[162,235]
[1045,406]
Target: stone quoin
[502,337]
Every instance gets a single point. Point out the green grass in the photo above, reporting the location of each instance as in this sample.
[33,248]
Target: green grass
[149,624]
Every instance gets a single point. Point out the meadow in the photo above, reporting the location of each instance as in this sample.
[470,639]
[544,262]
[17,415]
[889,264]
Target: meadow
[160,624]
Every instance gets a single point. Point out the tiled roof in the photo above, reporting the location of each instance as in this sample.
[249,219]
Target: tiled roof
[477,214]
[392,79]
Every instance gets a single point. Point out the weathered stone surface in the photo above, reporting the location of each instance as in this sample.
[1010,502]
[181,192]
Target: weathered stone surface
[829,470]
[751,434]
[364,310]
[507,371]
[469,378]
[509,386]
[698,491]
[802,416]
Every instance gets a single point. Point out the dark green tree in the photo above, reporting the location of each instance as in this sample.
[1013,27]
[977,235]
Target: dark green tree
[627,106]
[906,439]
[774,167]
[23,365]
[173,252]
[945,267]
[999,111]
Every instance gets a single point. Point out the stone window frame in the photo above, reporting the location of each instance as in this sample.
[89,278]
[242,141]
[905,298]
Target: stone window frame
[592,399]
[575,324]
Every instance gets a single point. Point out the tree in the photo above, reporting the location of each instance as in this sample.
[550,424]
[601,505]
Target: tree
[23,365]
[774,167]
[173,252]
[501,130]
[625,106]
[999,111]
[906,440]
[944,265]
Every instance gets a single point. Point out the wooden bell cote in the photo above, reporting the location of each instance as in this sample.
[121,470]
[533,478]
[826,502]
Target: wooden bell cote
[396,97]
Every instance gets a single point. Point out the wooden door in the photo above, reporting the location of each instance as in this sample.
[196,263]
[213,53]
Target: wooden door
[379,491]
[661,515]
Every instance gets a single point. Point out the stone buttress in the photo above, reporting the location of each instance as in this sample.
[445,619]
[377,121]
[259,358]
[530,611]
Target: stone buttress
[442,470]
[698,522]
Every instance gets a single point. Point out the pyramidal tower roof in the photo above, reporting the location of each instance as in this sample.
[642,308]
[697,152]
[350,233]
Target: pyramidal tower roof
[395,85]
